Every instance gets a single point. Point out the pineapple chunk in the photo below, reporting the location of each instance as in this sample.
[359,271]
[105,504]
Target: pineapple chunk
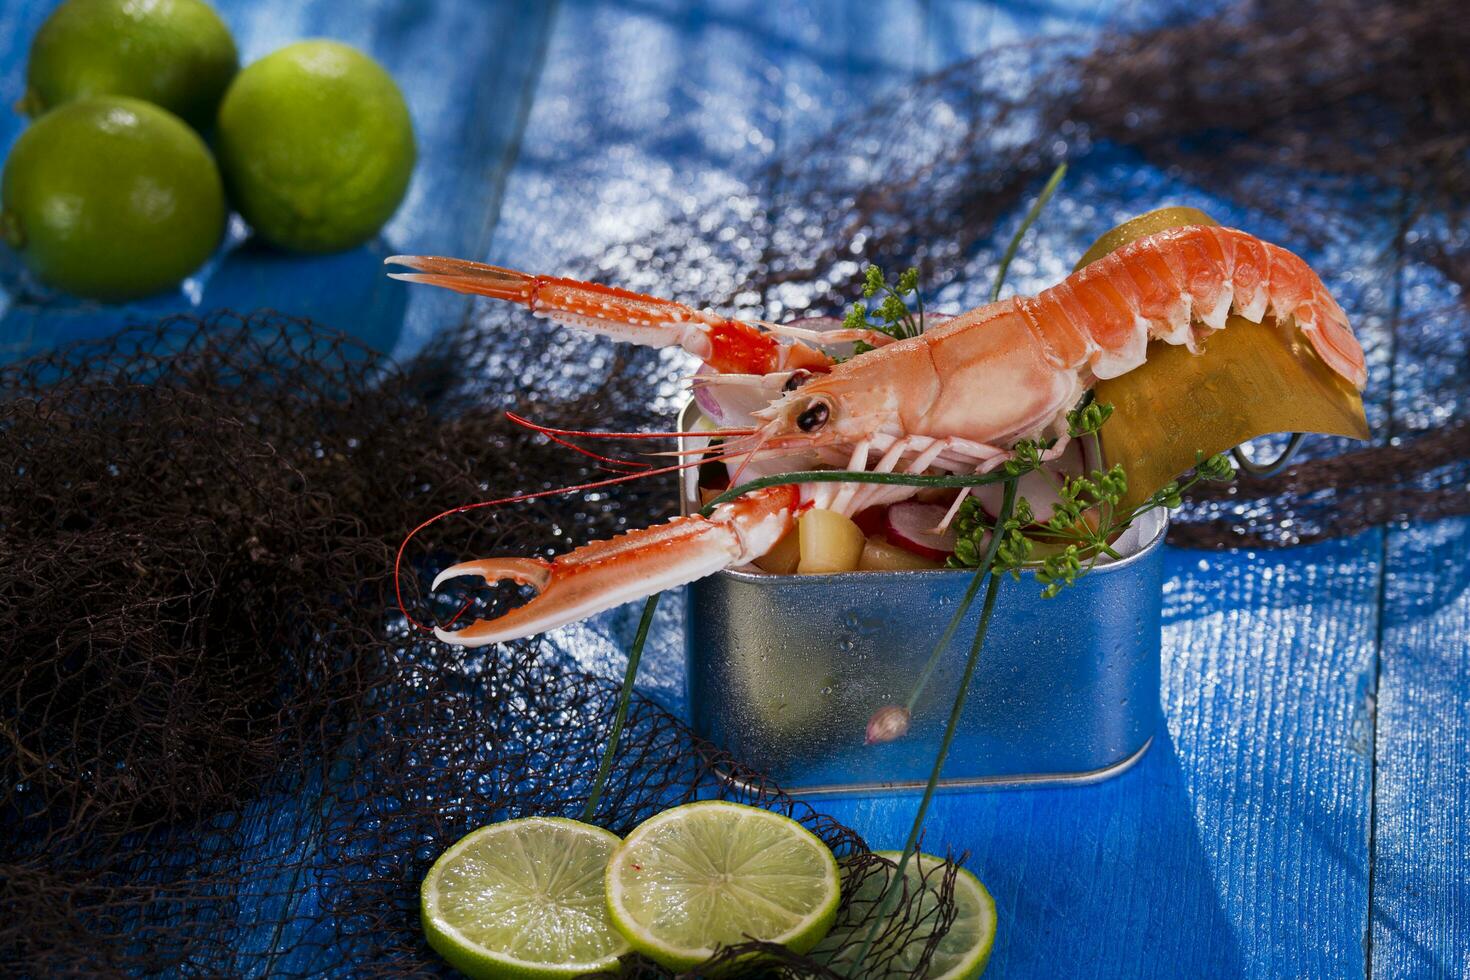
[829,543]
[880,555]
[783,558]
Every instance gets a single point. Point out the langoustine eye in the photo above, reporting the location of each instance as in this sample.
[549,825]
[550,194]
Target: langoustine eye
[813,417]
[798,378]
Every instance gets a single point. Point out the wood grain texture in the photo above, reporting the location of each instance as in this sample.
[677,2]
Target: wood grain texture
[1421,839]
[644,109]
[1421,869]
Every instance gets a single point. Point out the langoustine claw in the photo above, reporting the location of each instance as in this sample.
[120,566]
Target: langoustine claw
[604,574]
[729,346]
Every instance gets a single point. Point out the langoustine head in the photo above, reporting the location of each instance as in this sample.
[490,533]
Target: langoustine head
[830,412]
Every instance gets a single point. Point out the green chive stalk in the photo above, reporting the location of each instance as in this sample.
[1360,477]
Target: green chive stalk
[620,717]
[895,885]
[1031,215]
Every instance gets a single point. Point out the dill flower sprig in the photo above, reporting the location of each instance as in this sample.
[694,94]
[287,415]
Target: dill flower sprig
[893,315]
[1085,519]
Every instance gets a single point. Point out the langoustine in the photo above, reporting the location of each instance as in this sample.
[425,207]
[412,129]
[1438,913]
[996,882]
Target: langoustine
[953,399]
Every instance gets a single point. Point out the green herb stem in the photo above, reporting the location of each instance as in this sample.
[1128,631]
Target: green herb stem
[1031,215]
[620,717]
[943,644]
[895,886]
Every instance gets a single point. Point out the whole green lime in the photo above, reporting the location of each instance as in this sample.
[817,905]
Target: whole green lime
[174,53]
[112,198]
[316,146]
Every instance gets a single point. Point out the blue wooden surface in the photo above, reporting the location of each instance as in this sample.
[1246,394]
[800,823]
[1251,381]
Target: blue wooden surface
[1302,813]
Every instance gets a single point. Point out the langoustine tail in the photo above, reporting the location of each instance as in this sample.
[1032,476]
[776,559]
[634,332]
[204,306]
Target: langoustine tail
[1171,285]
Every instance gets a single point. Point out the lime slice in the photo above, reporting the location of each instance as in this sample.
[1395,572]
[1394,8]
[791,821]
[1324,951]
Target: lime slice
[523,899]
[714,874]
[963,951]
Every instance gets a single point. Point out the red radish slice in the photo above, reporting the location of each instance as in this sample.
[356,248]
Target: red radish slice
[871,520]
[704,397]
[729,400]
[910,525]
[1038,488]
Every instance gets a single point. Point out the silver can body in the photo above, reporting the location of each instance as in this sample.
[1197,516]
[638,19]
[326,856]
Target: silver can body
[785,672]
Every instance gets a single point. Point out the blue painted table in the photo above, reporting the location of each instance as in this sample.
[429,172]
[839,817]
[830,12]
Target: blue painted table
[1303,812]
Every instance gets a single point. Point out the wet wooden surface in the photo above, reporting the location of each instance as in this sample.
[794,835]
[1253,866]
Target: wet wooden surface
[1302,811]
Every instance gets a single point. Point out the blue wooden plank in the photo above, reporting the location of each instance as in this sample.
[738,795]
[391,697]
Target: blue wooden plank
[1189,864]
[19,21]
[1421,844]
[1163,872]
[1421,871]
[467,69]
[644,108]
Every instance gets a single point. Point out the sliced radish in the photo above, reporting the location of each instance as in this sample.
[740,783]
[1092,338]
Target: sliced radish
[871,519]
[911,526]
[730,399]
[704,397]
[1037,487]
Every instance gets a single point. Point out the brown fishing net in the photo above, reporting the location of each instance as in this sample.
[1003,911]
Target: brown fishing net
[183,497]
[1422,479]
[220,751]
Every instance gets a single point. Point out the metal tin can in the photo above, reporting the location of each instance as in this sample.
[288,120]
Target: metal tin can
[785,672]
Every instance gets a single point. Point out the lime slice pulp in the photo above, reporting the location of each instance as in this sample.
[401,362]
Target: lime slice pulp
[712,874]
[523,899]
[963,951]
